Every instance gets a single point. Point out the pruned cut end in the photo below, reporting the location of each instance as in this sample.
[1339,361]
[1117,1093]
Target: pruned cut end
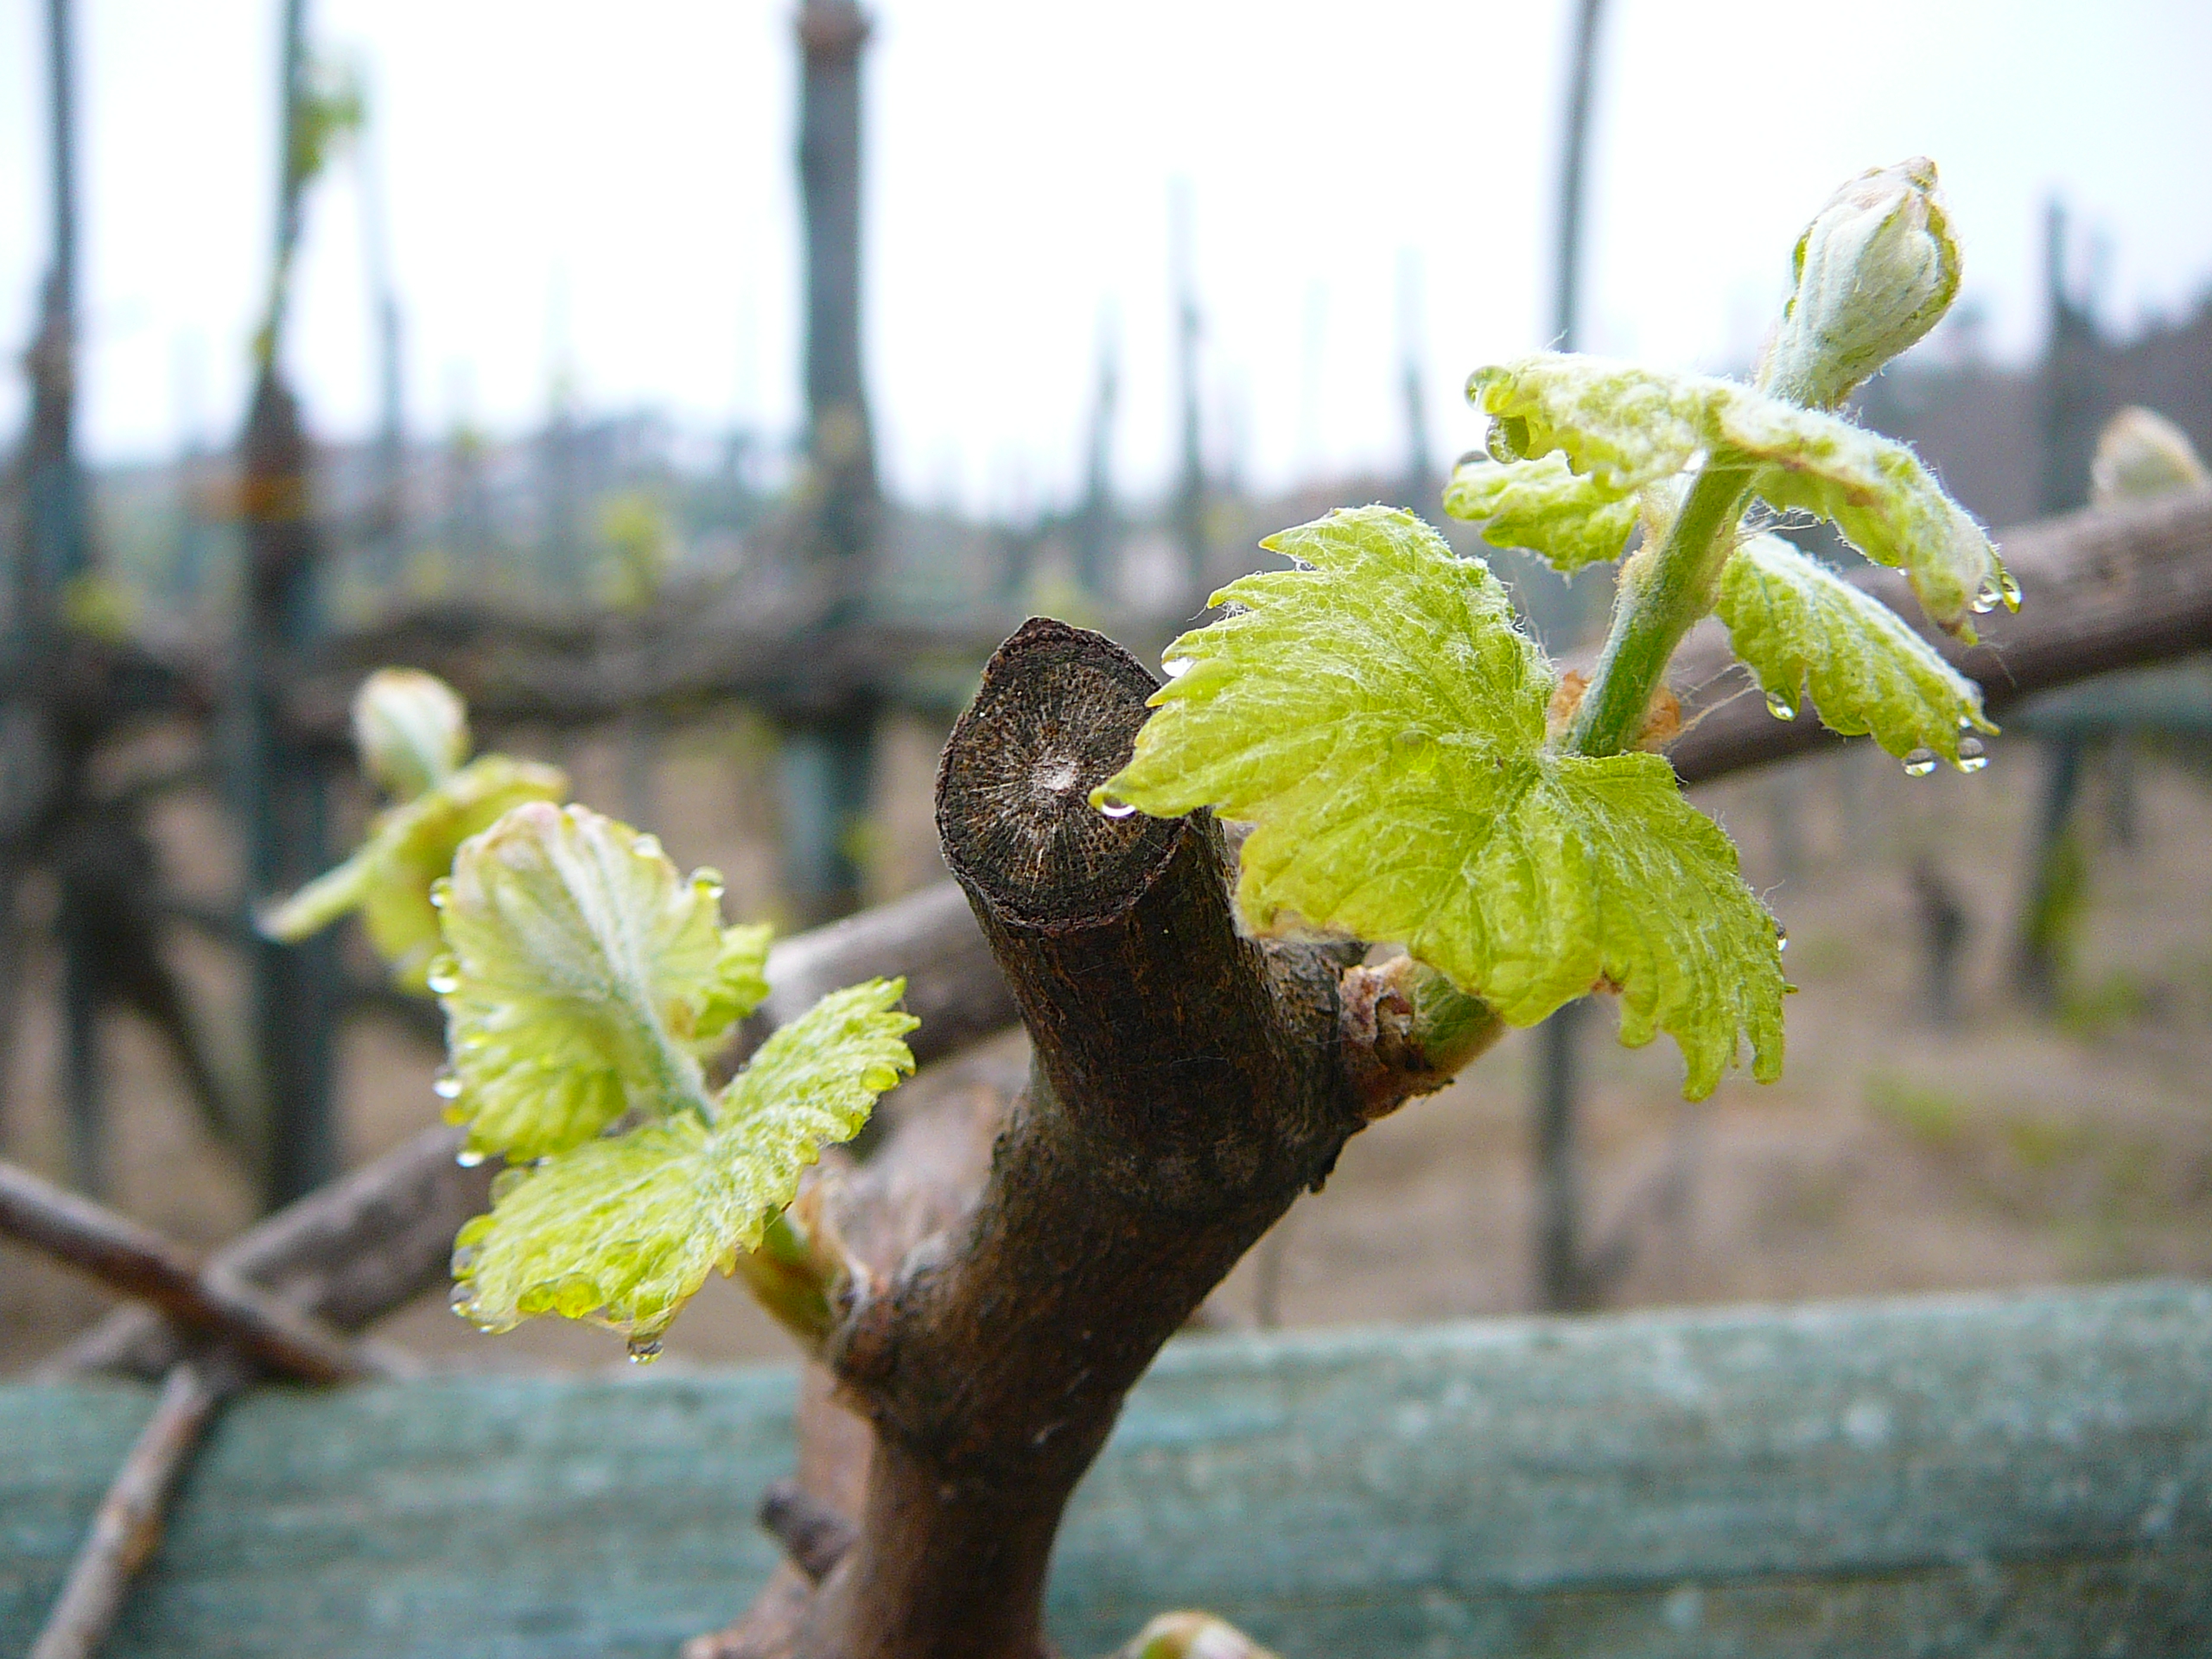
[1057,716]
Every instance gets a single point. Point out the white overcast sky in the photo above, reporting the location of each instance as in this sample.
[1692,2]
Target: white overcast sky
[616,183]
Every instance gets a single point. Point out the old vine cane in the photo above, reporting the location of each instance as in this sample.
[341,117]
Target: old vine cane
[1188,1082]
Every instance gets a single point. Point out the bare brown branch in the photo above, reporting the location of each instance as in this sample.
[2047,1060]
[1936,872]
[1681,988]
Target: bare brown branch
[127,1527]
[142,1264]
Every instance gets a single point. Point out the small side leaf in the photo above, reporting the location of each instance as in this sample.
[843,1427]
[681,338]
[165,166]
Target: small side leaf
[585,974]
[1543,505]
[622,1231]
[408,848]
[1627,427]
[1378,720]
[1794,623]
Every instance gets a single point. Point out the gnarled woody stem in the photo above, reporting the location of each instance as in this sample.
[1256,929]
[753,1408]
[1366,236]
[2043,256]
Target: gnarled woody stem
[1187,1084]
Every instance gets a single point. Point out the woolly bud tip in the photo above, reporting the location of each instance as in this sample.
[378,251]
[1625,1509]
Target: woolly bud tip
[1876,269]
[411,729]
[2141,454]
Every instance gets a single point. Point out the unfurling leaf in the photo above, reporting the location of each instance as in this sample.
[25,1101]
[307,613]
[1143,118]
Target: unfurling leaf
[622,1231]
[1627,427]
[409,848]
[1377,719]
[411,730]
[1543,505]
[1795,623]
[586,978]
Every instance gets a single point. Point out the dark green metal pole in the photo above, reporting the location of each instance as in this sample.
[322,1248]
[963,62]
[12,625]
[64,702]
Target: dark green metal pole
[829,753]
[1562,1281]
[297,987]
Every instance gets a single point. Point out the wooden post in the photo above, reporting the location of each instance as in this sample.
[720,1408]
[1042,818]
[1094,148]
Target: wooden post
[1191,485]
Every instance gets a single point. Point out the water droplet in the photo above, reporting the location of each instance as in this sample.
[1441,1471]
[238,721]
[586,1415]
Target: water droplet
[2009,585]
[1109,807]
[1780,707]
[647,847]
[465,1258]
[446,1084]
[444,976]
[1985,598]
[459,1299]
[439,889]
[708,881]
[1175,667]
[1781,936]
[1973,757]
[643,1349]
[1920,763]
[468,1158]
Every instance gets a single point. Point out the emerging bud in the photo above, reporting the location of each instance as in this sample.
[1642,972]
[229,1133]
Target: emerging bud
[1192,1636]
[2142,454]
[1875,270]
[411,729]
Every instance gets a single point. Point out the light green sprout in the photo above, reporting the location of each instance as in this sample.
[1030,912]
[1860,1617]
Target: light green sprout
[1381,724]
[412,734]
[1379,719]
[585,980]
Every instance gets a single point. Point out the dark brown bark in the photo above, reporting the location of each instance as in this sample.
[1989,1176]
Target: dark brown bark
[1185,1087]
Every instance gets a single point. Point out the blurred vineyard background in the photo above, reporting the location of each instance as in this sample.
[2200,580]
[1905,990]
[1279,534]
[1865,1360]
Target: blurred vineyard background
[752,641]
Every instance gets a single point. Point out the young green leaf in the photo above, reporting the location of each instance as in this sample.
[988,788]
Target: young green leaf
[623,1229]
[409,848]
[1543,505]
[586,976]
[1795,623]
[1627,427]
[1377,719]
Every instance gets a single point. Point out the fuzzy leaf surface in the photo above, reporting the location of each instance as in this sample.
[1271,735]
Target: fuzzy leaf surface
[388,880]
[1796,624]
[1378,720]
[1627,427]
[586,975]
[1544,506]
[622,1231]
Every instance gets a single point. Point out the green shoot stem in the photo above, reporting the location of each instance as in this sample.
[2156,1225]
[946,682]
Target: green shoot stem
[1663,593]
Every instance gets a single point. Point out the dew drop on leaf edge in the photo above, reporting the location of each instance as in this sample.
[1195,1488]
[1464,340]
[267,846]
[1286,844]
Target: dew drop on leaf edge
[439,889]
[1780,707]
[1972,755]
[444,976]
[2009,585]
[1110,808]
[468,1158]
[643,1349]
[646,847]
[1920,763]
[1175,667]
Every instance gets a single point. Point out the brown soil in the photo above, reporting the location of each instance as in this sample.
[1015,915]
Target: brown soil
[1894,1156]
